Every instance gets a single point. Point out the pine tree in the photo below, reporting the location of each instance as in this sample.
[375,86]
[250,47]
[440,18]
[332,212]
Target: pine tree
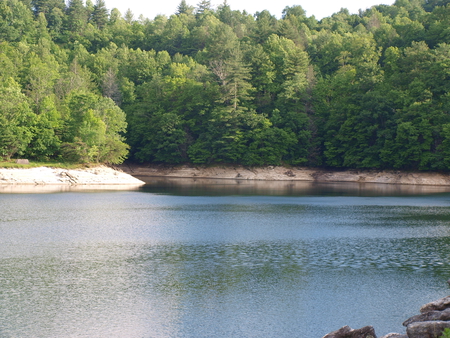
[76,16]
[46,6]
[100,14]
[203,6]
[184,8]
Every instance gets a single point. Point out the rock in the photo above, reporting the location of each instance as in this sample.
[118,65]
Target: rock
[22,161]
[439,305]
[429,316]
[348,332]
[290,173]
[431,329]
[395,335]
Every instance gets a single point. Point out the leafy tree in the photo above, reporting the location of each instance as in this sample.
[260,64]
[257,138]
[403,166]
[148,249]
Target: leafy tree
[16,120]
[16,21]
[93,129]
[46,131]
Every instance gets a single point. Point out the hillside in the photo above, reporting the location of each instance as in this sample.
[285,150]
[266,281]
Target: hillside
[80,82]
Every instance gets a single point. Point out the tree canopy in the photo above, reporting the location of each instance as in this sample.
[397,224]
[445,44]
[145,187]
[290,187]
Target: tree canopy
[206,85]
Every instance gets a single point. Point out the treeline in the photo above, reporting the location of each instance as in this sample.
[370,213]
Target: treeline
[210,85]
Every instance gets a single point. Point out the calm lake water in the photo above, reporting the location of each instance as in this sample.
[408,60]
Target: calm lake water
[185,258]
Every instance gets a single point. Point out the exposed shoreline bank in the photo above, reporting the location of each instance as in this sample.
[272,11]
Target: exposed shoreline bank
[278,173]
[43,176]
[129,174]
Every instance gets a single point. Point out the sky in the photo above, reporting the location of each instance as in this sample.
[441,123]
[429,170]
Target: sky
[319,8]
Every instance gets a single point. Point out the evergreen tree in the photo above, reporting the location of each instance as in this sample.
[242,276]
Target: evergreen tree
[46,6]
[100,14]
[204,6]
[184,8]
[76,17]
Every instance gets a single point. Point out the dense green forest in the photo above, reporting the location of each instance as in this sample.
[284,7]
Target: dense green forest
[82,83]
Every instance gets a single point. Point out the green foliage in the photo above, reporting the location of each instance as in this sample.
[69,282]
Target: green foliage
[93,129]
[205,85]
[445,334]
[16,120]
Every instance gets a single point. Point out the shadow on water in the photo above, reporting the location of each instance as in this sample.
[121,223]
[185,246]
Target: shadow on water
[221,187]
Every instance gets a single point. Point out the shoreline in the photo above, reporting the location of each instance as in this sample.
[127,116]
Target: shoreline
[45,176]
[132,174]
[279,173]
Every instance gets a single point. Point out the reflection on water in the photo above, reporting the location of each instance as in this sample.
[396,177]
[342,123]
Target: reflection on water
[220,187]
[54,188]
[139,264]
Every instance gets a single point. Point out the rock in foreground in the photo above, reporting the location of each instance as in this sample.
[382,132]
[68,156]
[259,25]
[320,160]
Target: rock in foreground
[430,329]
[348,332]
[430,323]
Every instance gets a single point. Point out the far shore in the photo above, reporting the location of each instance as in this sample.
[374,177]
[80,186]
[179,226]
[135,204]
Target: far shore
[133,174]
[279,173]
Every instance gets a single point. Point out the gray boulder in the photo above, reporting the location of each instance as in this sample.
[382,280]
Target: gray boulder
[429,316]
[22,161]
[437,305]
[348,332]
[431,329]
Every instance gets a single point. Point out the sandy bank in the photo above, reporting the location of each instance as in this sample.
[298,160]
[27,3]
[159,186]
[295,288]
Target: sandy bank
[101,175]
[277,173]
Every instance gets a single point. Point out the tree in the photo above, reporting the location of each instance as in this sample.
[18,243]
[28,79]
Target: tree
[41,77]
[46,143]
[46,6]
[16,21]
[94,128]
[184,8]
[100,14]
[203,7]
[16,119]
[266,25]
[76,17]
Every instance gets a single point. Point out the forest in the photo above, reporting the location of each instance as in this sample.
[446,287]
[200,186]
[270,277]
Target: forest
[82,83]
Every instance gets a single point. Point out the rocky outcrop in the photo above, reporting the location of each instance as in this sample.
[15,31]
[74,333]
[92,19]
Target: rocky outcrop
[279,173]
[440,304]
[433,319]
[348,332]
[430,329]
[429,316]
[100,175]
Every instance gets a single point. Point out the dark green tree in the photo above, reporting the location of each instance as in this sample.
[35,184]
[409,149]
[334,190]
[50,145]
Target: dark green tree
[100,14]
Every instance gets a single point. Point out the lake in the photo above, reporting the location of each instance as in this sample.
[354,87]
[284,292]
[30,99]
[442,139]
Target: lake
[218,258]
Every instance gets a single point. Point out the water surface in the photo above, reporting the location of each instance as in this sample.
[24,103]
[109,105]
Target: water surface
[200,260]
